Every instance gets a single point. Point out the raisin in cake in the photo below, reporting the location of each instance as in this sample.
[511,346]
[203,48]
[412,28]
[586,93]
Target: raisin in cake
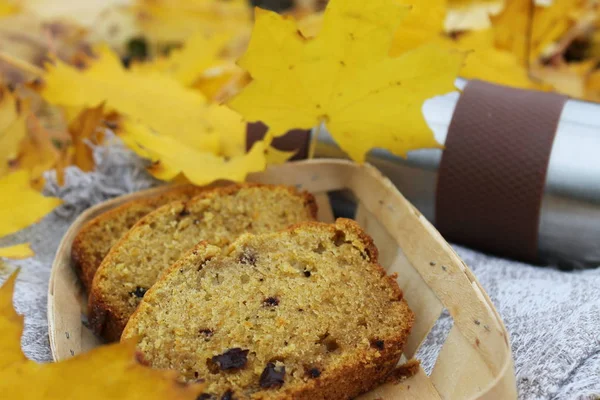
[95,239]
[306,313]
[156,241]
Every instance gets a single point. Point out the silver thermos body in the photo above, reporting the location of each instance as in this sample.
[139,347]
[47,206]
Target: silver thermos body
[569,223]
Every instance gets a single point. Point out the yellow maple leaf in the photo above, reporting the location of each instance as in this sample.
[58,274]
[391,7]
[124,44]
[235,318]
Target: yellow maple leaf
[63,162]
[512,28]
[199,52]
[172,21]
[221,83]
[595,40]
[552,22]
[275,156]
[232,141]
[157,99]
[464,15]
[20,205]
[24,142]
[172,158]
[37,153]
[345,78]
[8,7]
[527,30]
[486,62]
[172,114]
[13,128]
[85,128]
[424,23]
[593,86]
[203,63]
[569,79]
[17,252]
[108,372]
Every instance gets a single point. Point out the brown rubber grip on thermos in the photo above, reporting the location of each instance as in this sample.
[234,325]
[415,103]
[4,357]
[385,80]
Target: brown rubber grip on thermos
[493,170]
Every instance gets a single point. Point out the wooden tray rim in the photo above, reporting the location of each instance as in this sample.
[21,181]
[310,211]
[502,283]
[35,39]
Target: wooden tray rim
[348,168]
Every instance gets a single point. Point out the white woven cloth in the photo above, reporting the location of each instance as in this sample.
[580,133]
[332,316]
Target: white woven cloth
[553,317]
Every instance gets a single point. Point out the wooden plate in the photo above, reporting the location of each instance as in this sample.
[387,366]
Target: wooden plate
[475,360]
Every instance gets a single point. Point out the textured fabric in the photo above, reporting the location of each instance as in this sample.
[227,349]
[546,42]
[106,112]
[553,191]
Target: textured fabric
[553,317]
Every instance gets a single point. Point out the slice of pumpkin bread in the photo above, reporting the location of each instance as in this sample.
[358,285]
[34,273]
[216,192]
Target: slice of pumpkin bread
[97,236]
[306,313]
[218,216]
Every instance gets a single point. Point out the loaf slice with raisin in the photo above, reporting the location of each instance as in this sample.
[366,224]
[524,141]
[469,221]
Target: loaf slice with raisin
[97,236]
[156,241]
[306,313]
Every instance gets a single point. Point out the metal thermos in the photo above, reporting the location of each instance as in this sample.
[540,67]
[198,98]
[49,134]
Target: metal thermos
[569,219]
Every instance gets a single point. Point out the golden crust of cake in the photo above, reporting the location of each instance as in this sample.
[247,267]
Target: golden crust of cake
[157,240]
[305,313]
[95,239]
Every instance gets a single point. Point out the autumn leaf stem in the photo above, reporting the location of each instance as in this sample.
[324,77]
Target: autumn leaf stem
[314,138]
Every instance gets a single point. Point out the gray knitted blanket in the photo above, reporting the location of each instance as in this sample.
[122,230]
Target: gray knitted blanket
[553,317]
